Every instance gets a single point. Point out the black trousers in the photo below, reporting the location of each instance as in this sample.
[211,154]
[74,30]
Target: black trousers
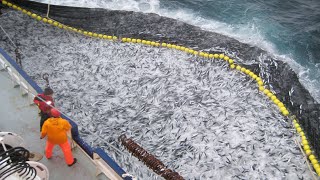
[44,117]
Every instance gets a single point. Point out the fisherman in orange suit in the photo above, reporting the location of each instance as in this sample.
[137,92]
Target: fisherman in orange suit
[57,128]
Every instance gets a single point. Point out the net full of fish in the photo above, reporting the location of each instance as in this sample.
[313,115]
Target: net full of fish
[198,117]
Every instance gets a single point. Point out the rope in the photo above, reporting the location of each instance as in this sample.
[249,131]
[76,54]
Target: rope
[305,158]
[8,37]
[48,10]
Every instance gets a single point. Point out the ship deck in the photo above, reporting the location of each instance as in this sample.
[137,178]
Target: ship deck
[18,116]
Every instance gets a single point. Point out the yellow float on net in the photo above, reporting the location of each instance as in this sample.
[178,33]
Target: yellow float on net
[318,171]
[270,94]
[157,44]
[129,40]
[305,142]
[148,42]
[276,101]
[314,161]
[232,66]
[303,137]
[258,79]
[173,46]
[124,39]
[182,48]
[143,41]
[282,109]
[273,97]
[45,20]
[153,43]
[114,38]
[14,7]
[105,37]
[285,113]
[100,35]
[4,2]
[85,33]
[109,37]
[243,69]
[50,21]
[201,54]
[33,15]
[55,23]
[261,88]
[231,61]
[238,67]
[302,134]
[134,40]
[60,26]
[195,52]
[90,33]
[299,129]
[169,45]
[191,51]
[226,58]
[247,71]
[178,47]
[306,147]
[254,76]
[206,55]
[163,44]
[308,152]
[210,55]
[296,125]
[266,91]
[280,104]
[95,35]
[221,56]
[186,50]
[260,83]
[19,9]
[24,11]
[216,56]
[9,4]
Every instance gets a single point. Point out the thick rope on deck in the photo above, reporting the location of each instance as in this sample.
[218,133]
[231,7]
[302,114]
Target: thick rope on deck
[148,159]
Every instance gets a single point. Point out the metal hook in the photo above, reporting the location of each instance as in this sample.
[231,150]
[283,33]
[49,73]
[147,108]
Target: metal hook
[45,76]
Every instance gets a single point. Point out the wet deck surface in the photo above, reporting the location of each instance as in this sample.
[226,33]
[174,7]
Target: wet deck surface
[21,118]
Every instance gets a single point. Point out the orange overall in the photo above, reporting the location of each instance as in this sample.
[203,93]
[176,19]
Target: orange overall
[56,129]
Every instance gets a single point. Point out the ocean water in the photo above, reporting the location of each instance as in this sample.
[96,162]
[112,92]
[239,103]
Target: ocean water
[290,30]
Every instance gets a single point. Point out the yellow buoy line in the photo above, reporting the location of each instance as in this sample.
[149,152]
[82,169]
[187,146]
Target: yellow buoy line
[227,59]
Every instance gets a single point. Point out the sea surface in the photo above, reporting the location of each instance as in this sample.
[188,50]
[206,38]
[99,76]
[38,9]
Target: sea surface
[289,30]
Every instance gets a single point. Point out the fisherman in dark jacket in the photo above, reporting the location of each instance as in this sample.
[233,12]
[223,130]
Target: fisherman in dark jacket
[45,102]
